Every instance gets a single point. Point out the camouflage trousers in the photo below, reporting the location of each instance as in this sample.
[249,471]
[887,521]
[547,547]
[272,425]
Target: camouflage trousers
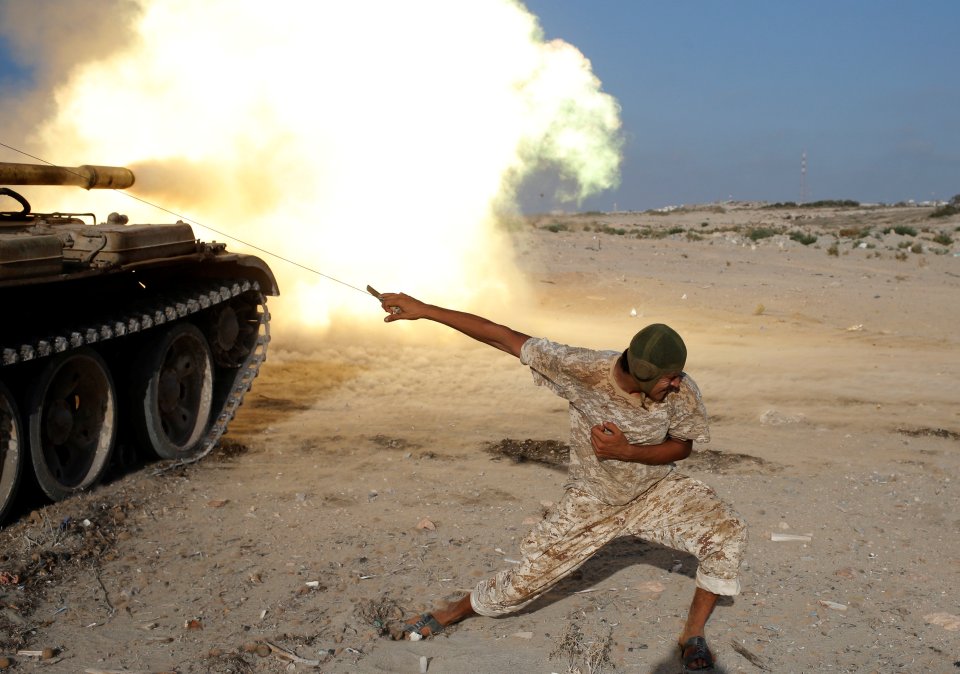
[678,512]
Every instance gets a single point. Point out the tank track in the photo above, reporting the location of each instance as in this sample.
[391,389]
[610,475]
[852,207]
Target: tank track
[157,312]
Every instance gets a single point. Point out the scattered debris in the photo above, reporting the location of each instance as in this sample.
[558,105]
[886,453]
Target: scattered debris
[228,449]
[576,648]
[291,656]
[48,547]
[723,462]
[552,453]
[785,538]
[752,658]
[832,605]
[45,654]
[383,614]
[386,442]
[257,647]
[777,418]
[930,432]
[947,621]
[126,671]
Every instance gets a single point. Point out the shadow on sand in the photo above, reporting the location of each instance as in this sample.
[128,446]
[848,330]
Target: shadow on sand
[616,556]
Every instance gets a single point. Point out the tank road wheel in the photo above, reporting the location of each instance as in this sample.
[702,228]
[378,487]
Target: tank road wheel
[176,383]
[73,423]
[11,458]
[233,331]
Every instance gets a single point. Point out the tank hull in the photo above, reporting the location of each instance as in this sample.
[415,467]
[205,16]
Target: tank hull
[120,341]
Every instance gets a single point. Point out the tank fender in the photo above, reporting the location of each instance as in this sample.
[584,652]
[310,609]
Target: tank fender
[268,282]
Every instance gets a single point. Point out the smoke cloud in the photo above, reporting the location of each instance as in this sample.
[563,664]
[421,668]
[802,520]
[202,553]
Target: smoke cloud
[376,142]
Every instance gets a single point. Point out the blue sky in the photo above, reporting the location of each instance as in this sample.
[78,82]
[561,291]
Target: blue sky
[719,99]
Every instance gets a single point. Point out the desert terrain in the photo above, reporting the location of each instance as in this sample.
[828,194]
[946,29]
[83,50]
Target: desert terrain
[366,478]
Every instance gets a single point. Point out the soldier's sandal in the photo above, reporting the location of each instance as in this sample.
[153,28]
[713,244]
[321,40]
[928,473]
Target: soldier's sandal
[414,630]
[696,649]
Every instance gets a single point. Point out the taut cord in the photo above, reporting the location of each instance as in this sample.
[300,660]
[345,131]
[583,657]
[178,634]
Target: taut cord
[200,224]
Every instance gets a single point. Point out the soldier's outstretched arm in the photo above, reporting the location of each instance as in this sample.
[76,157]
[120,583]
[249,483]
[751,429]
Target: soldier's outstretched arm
[402,307]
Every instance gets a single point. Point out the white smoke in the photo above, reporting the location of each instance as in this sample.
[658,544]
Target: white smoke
[373,141]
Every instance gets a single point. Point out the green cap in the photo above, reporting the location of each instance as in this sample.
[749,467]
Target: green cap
[655,351]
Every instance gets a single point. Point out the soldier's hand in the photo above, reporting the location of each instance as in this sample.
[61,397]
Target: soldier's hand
[400,306]
[609,442]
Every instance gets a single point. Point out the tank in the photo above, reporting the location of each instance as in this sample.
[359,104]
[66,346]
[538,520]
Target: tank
[117,338]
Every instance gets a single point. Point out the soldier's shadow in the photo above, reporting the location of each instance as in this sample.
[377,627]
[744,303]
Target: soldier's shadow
[617,555]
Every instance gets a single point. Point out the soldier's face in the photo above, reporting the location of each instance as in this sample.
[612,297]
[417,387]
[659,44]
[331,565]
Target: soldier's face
[665,385]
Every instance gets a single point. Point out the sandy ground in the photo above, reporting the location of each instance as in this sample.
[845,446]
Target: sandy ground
[361,482]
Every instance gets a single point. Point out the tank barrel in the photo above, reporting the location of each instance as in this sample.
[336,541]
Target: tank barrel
[86,176]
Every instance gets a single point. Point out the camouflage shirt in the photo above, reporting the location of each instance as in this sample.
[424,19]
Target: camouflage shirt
[584,377]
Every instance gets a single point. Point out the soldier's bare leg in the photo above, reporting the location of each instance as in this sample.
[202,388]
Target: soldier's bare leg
[700,609]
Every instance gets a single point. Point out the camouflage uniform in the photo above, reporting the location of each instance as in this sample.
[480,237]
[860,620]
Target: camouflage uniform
[607,499]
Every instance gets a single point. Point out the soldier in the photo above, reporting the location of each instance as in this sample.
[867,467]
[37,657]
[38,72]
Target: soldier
[632,415]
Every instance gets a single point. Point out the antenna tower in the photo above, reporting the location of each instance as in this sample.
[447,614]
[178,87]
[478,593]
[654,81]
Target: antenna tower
[803,178]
